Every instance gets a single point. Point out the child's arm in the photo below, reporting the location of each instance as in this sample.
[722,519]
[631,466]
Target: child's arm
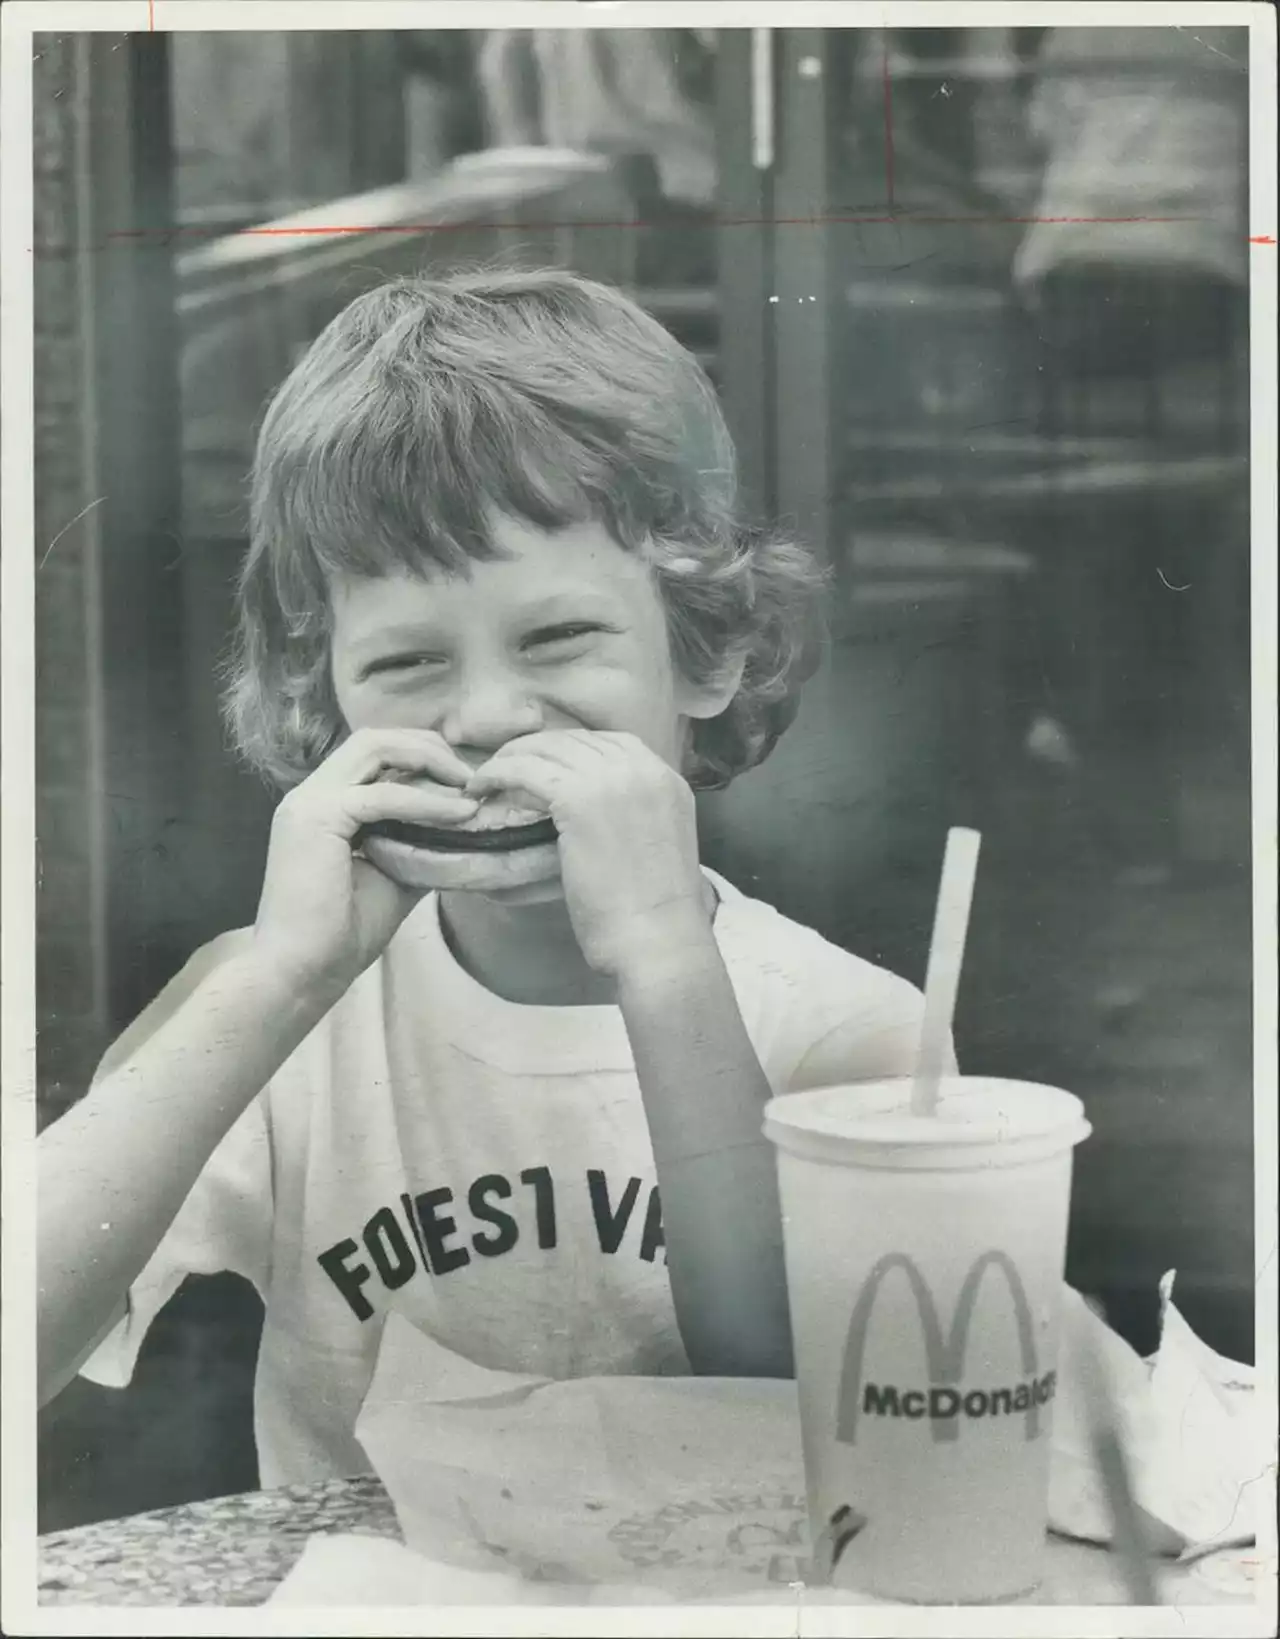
[704,1094]
[637,898]
[113,1173]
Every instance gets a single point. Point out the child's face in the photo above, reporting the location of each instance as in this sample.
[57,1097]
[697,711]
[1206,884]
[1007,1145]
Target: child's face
[564,630]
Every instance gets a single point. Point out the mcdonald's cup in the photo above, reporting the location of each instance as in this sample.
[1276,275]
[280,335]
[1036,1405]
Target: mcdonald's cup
[925,1261]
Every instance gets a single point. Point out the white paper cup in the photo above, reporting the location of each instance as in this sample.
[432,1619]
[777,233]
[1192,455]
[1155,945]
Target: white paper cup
[924,1262]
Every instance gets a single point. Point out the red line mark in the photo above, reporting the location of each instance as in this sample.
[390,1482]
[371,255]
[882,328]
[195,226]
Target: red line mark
[1262,239]
[719,221]
[886,79]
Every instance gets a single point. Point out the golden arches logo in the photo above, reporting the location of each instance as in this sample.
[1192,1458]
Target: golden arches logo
[944,1351]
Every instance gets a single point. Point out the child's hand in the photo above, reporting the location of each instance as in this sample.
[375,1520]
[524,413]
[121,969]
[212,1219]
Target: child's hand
[325,914]
[628,841]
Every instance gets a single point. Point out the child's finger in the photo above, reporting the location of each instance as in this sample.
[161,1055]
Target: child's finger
[364,805]
[569,748]
[534,779]
[369,753]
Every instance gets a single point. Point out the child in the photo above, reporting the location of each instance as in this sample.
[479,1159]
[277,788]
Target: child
[494,556]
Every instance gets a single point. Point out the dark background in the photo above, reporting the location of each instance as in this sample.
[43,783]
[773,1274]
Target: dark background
[1023,448]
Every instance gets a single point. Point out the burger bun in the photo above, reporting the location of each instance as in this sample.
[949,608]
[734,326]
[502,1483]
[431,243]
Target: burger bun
[513,847]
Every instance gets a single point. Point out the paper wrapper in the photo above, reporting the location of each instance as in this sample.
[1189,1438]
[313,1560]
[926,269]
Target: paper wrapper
[1189,1422]
[661,1490]
[355,1573]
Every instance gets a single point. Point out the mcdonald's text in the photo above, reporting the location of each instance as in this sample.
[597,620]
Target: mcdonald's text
[939,1404]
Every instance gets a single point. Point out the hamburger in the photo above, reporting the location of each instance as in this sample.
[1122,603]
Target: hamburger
[499,846]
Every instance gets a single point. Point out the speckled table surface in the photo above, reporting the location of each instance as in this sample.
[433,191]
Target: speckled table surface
[236,1551]
[230,1551]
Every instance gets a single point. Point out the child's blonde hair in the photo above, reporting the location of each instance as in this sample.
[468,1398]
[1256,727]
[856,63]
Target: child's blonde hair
[430,402]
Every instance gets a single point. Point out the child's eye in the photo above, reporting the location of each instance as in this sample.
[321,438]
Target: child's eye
[550,636]
[394,663]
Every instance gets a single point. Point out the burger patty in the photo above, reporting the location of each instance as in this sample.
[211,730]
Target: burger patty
[442,840]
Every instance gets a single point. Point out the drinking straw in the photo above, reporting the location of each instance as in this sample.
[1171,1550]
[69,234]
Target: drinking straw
[946,956]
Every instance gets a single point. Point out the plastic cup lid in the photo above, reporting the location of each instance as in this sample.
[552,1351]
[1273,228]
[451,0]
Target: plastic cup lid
[972,1111]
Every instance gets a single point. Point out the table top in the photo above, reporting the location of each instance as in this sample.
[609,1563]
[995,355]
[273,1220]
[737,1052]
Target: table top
[237,1550]
[228,1551]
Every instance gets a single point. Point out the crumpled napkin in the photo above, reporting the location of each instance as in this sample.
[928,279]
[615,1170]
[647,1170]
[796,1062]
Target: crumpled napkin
[1191,1426]
[513,1489]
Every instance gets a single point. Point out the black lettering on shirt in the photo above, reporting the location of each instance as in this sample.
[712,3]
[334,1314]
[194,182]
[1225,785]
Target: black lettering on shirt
[391,1253]
[544,1195]
[348,1281]
[436,1229]
[415,1228]
[611,1226]
[653,1238]
[507,1233]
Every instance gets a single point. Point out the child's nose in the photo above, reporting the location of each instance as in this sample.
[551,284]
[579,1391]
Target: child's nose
[488,710]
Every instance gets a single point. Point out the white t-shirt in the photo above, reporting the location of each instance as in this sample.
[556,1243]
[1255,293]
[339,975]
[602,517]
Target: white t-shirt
[481,1167]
